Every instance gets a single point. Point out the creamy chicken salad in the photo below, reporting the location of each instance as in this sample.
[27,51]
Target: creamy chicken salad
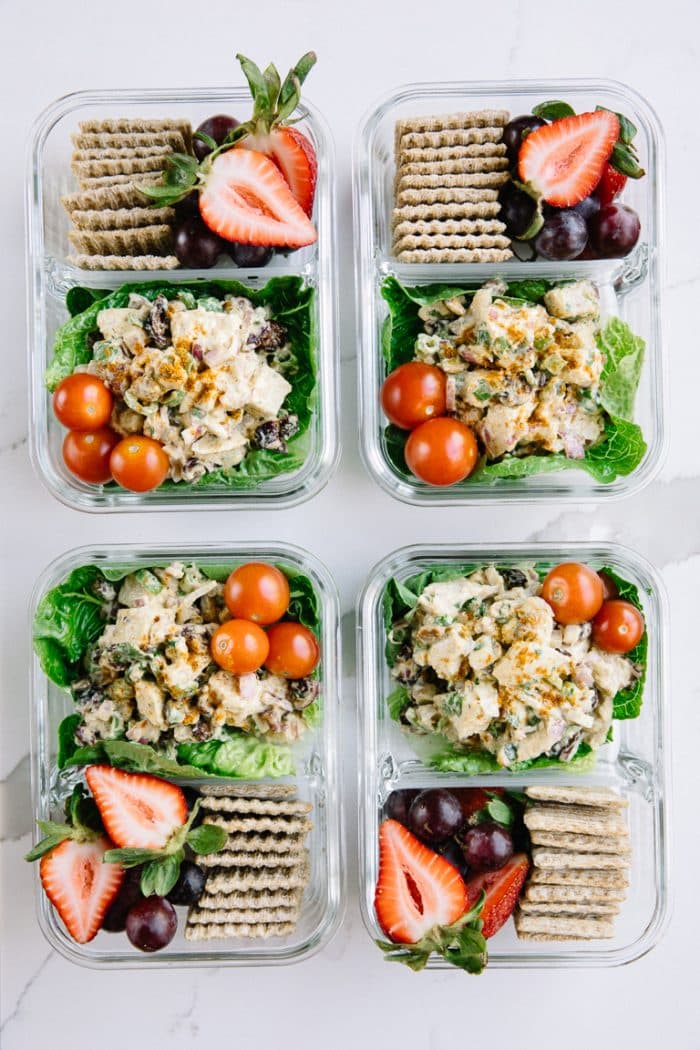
[523,375]
[150,676]
[204,377]
[486,665]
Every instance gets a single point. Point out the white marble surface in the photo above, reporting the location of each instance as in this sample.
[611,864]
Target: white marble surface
[347,996]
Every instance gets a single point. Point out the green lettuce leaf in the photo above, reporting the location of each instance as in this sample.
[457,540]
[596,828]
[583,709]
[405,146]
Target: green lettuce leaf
[68,619]
[242,756]
[621,447]
[454,760]
[291,304]
[628,702]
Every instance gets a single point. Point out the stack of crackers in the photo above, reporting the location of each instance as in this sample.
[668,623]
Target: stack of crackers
[254,886]
[581,857]
[114,227]
[448,173]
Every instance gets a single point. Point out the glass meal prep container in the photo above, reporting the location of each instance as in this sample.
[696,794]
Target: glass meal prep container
[317,757]
[635,763]
[50,276]
[629,287]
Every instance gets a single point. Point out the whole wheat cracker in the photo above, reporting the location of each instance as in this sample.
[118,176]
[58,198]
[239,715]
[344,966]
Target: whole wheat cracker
[122,218]
[577,894]
[124,262]
[579,796]
[263,807]
[116,125]
[90,169]
[583,820]
[445,195]
[256,899]
[277,824]
[447,137]
[445,226]
[454,210]
[579,878]
[456,152]
[454,242]
[468,119]
[563,925]
[144,240]
[123,153]
[276,844]
[242,915]
[200,932]
[248,880]
[543,937]
[567,840]
[455,255]
[545,857]
[458,166]
[109,198]
[464,180]
[248,790]
[128,139]
[581,909]
[98,182]
[259,859]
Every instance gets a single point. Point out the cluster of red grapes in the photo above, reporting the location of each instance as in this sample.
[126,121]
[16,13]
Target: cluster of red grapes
[196,246]
[452,823]
[591,229]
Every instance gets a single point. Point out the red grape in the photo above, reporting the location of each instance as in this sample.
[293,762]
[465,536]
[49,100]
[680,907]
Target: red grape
[129,895]
[513,134]
[190,884]
[216,128]
[615,230]
[517,210]
[487,846]
[151,924]
[250,254]
[563,236]
[435,815]
[398,804]
[195,244]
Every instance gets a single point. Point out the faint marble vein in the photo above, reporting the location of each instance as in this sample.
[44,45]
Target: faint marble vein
[14,445]
[186,1016]
[25,991]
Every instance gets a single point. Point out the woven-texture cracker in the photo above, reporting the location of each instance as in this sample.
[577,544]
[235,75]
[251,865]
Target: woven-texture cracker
[122,218]
[579,796]
[219,931]
[124,262]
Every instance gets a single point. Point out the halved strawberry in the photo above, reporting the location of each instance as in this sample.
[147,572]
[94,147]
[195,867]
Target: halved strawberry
[246,199]
[416,888]
[80,885]
[563,161]
[137,810]
[610,186]
[502,888]
[294,155]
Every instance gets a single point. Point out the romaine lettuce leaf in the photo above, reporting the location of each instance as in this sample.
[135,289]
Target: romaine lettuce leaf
[291,304]
[453,760]
[628,702]
[241,755]
[621,447]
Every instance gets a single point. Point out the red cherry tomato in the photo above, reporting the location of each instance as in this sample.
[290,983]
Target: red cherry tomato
[441,451]
[574,592]
[87,455]
[239,646]
[82,402]
[294,650]
[139,463]
[414,393]
[257,592]
[618,627]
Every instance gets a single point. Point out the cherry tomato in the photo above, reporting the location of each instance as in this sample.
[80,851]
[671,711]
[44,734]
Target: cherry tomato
[609,586]
[87,455]
[257,592]
[82,402]
[574,592]
[441,451]
[413,393]
[618,626]
[239,646]
[139,463]
[294,650]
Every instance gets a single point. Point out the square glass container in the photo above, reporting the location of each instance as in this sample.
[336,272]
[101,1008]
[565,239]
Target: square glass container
[635,763]
[50,276]
[317,757]
[629,288]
